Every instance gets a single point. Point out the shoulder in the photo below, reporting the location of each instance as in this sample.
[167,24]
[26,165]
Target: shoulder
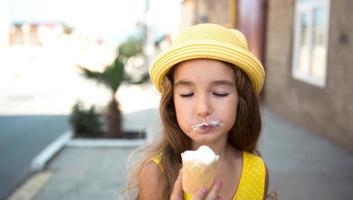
[253,159]
[149,180]
[253,178]
[151,166]
[258,160]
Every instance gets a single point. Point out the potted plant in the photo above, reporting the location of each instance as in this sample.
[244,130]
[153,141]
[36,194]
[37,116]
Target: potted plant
[113,76]
[85,122]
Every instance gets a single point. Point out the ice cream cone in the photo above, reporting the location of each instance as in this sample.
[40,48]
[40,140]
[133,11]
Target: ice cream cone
[199,169]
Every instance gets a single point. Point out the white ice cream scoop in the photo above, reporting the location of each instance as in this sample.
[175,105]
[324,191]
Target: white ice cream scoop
[203,154]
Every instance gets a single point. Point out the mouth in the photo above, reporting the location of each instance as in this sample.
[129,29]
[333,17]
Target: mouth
[207,125]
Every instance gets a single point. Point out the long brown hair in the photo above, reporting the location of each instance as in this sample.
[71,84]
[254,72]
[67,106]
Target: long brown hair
[243,135]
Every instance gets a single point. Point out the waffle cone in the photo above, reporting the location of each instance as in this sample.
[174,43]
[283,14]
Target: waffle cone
[198,175]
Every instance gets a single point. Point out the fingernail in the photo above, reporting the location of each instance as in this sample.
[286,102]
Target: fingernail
[219,183]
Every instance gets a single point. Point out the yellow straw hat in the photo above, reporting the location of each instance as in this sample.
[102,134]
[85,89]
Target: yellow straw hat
[209,41]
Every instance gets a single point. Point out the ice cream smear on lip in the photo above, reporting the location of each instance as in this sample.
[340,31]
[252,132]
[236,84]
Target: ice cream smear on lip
[212,123]
[199,169]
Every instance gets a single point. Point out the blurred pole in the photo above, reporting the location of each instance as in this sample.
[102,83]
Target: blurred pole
[148,34]
[4,23]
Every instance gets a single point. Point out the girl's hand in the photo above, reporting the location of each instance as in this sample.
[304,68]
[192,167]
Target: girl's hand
[213,194]
[202,194]
[178,193]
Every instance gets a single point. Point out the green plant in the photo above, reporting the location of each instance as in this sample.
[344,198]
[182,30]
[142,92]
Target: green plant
[113,76]
[85,122]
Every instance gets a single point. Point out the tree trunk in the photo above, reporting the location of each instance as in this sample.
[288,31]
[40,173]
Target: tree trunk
[114,120]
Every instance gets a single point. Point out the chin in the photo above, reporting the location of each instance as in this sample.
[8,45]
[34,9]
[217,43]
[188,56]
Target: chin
[205,139]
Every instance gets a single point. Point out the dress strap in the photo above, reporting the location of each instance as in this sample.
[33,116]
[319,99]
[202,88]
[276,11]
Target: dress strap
[252,180]
[157,159]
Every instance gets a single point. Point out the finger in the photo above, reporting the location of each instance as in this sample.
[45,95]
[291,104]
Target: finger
[201,194]
[177,193]
[215,191]
[178,182]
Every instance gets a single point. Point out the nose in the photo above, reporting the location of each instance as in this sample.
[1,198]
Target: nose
[203,106]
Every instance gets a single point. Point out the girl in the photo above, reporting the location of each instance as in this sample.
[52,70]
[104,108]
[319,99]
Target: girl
[206,75]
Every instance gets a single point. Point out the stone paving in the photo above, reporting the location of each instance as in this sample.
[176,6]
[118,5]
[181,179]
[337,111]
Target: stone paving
[87,174]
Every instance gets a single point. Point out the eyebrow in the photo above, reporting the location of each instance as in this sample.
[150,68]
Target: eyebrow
[183,83]
[223,82]
[214,83]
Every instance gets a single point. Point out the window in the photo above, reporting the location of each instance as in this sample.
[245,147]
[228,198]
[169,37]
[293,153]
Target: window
[311,24]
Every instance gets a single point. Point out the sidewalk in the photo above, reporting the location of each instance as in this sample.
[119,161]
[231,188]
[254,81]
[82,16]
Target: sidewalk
[302,165]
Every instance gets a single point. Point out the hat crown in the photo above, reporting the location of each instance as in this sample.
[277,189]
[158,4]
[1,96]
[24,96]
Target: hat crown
[210,41]
[213,32]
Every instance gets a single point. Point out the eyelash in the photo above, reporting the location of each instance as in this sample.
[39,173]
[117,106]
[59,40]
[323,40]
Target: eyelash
[216,94]
[186,95]
[221,94]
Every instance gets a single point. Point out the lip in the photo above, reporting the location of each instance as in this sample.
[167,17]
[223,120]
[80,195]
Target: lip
[207,128]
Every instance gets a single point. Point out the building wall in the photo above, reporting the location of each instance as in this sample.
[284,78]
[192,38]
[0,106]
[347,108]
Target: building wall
[327,111]
[188,14]
[221,12]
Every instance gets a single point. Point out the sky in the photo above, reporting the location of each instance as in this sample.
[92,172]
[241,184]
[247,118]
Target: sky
[114,19]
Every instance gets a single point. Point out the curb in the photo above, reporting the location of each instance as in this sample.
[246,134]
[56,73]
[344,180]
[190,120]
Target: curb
[98,143]
[38,163]
[106,143]
[66,139]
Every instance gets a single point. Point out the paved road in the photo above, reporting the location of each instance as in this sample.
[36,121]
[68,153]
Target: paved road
[21,139]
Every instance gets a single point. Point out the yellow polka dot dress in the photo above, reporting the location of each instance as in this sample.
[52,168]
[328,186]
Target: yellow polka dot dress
[252,181]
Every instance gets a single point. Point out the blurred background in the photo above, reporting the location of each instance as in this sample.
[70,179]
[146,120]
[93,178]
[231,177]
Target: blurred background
[79,68]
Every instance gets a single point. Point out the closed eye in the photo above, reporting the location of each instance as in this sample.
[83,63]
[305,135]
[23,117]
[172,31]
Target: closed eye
[186,95]
[220,94]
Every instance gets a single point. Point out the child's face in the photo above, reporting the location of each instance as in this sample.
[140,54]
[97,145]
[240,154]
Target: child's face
[205,91]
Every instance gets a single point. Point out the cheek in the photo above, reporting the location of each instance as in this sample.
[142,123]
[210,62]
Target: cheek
[184,115]
[228,112]
[182,112]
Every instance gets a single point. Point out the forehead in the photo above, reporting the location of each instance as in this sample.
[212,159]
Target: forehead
[204,69]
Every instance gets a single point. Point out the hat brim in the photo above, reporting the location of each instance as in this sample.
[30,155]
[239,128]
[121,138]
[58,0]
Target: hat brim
[209,49]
